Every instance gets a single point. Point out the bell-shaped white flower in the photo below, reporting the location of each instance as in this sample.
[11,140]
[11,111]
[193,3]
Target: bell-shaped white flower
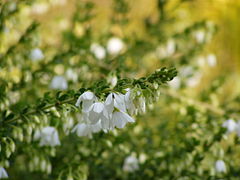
[87,99]
[120,119]
[95,112]
[175,83]
[59,82]
[83,129]
[98,51]
[131,164]
[115,46]
[129,102]
[220,166]
[142,105]
[106,118]
[119,101]
[230,125]
[48,136]
[3,173]
[36,54]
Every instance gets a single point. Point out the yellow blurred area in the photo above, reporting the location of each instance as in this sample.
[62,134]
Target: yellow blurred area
[54,18]
[225,13]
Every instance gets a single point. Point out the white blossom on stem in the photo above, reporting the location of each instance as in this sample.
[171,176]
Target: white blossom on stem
[87,99]
[120,119]
[95,112]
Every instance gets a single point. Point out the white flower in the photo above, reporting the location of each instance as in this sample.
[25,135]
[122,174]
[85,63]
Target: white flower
[220,166]
[142,105]
[83,129]
[200,36]
[175,83]
[98,51]
[115,46]
[119,101]
[87,99]
[130,164]
[36,54]
[48,136]
[129,102]
[106,118]
[71,75]
[230,125]
[59,82]
[3,173]
[211,60]
[95,112]
[120,119]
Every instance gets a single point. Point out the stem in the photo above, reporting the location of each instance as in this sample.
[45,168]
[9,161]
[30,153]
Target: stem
[44,108]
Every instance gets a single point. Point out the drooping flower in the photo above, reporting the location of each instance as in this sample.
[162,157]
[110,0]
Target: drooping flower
[115,46]
[36,54]
[59,82]
[106,118]
[142,105]
[83,129]
[230,125]
[119,101]
[220,166]
[48,136]
[87,99]
[129,102]
[120,119]
[95,112]
[175,83]
[131,164]
[98,51]
[3,173]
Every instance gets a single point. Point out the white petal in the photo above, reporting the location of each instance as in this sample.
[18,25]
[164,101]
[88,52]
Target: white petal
[119,102]
[88,96]
[95,112]
[98,107]
[121,118]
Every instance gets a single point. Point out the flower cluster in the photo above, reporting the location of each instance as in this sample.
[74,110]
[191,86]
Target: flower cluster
[105,115]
